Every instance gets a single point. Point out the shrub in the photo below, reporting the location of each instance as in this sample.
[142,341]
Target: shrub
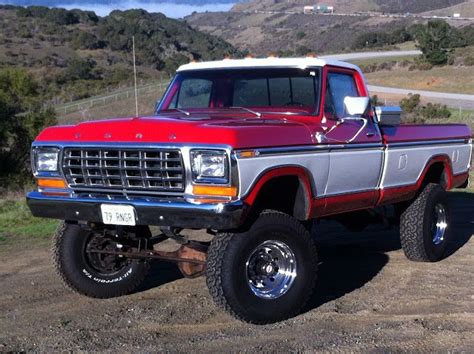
[61,17]
[300,35]
[302,50]
[22,117]
[380,39]
[436,110]
[469,61]
[415,113]
[420,64]
[80,69]
[374,100]
[86,40]
[410,104]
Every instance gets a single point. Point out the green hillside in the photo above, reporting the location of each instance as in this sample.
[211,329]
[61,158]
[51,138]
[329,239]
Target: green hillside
[76,54]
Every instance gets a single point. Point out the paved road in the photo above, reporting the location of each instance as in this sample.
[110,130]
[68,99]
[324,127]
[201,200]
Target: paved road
[371,55]
[454,100]
[358,14]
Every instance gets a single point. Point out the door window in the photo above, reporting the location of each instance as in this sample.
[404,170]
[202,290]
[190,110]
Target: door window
[339,86]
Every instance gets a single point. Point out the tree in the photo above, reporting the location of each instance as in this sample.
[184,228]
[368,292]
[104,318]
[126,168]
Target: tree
[62,17]
[436,40]
[86,40]
[22,117]
[79,69]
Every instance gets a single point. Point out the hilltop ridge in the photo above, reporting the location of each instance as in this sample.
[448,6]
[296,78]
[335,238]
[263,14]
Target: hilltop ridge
[351,6]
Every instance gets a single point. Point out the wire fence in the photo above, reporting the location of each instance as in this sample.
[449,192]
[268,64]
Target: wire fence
[103,100]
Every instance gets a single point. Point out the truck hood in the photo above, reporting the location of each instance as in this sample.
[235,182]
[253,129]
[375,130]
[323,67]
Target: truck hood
[248,132]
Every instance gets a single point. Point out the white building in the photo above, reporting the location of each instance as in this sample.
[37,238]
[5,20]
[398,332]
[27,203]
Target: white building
[308,9]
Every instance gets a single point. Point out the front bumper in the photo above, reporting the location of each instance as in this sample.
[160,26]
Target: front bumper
[176,212]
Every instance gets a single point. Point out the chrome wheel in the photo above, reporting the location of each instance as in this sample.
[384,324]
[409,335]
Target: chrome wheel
[440,224]
[271,269]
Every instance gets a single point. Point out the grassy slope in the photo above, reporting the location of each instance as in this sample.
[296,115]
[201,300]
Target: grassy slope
[466,9]
[120,109]
[363,62]
[17,224]
[444,79]
[262,34]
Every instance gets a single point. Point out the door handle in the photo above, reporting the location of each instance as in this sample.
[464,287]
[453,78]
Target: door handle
[370,134]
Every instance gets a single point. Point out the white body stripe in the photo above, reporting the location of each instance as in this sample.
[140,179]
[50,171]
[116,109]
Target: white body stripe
[404,165]
[354,171]
[250,169]
[344,171]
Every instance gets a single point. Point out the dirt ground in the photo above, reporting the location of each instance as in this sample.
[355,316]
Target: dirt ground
[369,298]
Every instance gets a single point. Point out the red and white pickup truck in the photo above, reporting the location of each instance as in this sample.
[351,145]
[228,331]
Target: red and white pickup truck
[252,151]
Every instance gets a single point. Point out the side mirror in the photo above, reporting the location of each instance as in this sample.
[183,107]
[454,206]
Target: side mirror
[356,106]
[388,115]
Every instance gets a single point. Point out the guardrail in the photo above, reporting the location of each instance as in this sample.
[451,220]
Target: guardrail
[103,100]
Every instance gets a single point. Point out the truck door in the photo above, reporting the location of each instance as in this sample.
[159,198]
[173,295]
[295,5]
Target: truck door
[355,162]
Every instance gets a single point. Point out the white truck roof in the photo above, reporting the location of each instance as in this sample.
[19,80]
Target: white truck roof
[270,62]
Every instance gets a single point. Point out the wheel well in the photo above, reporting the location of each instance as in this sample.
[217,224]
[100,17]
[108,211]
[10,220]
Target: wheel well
[436,174]
[286,194]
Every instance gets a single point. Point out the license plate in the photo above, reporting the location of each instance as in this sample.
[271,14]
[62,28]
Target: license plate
[118,214]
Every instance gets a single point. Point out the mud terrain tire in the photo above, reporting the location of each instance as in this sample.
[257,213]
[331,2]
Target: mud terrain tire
[74,268]
[419,223]
[235,260]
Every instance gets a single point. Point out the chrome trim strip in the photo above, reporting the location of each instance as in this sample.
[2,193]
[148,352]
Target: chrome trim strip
[382,169]
[243,67]
[185,149]
[345,193]
[308,149]
[128,145]
[120,192]
[427,143]
[150,211]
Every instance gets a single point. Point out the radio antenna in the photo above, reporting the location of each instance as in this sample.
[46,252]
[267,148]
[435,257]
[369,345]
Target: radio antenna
[135,77]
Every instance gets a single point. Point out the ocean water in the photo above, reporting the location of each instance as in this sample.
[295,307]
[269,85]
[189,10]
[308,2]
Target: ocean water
[178,9]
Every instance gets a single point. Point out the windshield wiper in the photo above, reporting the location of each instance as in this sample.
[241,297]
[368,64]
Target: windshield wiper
[259,115]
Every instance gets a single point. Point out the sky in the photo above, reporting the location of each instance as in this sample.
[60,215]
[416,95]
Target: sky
[104,7]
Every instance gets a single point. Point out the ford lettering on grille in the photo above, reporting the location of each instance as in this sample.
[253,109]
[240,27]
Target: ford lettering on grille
[139,170]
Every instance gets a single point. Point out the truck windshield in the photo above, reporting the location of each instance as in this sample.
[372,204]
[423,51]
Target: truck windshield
[267,89]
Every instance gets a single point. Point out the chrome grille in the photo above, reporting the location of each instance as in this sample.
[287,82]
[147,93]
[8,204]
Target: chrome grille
[147,170]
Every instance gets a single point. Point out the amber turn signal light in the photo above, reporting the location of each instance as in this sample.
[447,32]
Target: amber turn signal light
[220,191]
[51,183]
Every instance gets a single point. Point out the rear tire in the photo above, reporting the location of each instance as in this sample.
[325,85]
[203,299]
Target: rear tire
[93,275]
[424,225]
[266,274]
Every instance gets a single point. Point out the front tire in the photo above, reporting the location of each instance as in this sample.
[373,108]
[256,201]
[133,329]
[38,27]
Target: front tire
[266,274]
[424,225]
[89,274]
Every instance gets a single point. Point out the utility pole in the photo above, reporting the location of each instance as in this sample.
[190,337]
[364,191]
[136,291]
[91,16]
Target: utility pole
[135,77]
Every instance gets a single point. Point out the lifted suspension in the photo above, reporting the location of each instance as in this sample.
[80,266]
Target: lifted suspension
[190,257]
